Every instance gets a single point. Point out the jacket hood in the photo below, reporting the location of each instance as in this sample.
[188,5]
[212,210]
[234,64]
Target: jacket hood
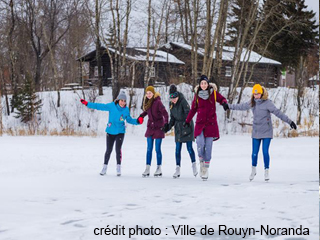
[212,85]
[156,95]
[265,94]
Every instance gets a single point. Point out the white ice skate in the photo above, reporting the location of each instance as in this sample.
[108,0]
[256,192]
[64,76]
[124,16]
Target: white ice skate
[201,168]
[177,173]
[104,170]
[146,172]
[205,173]
[253,173]
[158,172]
[118,170]
[266,175]
[194,169]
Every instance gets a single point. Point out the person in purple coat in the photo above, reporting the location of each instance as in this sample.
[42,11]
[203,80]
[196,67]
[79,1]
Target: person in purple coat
[157,118]
[206,130]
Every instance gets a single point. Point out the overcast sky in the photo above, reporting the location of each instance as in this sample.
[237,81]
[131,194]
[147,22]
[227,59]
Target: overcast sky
[313,5]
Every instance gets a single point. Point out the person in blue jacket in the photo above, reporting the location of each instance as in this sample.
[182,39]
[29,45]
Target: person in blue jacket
[118,114]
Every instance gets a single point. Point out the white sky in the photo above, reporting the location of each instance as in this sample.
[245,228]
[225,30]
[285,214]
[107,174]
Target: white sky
[313,5]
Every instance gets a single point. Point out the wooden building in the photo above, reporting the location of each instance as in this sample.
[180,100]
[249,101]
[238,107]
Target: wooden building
[166,67]
[266,71]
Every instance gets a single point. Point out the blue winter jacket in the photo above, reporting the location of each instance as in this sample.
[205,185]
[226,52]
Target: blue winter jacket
[117,116]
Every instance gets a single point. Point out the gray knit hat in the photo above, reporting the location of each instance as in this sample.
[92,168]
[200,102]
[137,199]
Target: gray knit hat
[122,96]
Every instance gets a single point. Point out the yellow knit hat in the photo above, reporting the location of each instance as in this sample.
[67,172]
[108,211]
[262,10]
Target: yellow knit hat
[257,89]
[151,89]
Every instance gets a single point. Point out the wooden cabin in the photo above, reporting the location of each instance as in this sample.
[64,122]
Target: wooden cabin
[166,67]
[266,71]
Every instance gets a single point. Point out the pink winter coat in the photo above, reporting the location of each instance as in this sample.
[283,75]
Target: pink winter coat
[206,114]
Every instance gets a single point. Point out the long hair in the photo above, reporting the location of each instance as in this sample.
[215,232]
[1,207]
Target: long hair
[253,103]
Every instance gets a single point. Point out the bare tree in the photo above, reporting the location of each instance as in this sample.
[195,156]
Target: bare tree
[98,43]
[58,20]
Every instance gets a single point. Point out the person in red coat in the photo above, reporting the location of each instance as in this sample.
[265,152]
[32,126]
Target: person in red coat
[206,130]
[157,118]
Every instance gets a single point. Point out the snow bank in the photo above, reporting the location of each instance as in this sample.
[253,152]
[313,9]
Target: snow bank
[73,117]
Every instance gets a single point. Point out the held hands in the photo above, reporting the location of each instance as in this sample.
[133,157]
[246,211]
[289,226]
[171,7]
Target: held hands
[185,124]
[225,106]
[140,120]
[293,125]
[165,128]
[84,102]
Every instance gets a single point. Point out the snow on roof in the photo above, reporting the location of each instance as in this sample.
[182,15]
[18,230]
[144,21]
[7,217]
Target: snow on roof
[314,78]
[228,53]
[139,54]
[161,56]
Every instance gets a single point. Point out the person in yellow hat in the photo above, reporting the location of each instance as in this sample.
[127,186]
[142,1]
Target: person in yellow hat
[262,130]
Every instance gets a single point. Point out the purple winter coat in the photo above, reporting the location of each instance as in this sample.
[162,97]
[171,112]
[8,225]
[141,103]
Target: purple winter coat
[157,117]
[206,114]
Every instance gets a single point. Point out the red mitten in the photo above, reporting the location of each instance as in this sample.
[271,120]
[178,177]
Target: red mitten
[140,120]
[84,102]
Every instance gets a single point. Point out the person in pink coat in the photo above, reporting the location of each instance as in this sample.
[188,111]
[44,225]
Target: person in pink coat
[206,129]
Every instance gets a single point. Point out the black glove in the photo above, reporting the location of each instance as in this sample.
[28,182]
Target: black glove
[185,124]
[225,106]
[293,125]
[165,128]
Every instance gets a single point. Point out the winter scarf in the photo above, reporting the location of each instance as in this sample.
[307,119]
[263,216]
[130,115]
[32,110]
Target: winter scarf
[204,94]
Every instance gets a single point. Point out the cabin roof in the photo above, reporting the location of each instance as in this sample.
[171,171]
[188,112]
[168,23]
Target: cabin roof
[228,53]
[135,54]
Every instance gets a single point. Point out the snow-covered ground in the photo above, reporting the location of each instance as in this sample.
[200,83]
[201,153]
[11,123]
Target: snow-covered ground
[51,190]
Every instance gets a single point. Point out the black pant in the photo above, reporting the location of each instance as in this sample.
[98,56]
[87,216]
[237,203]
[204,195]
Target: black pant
[110,141]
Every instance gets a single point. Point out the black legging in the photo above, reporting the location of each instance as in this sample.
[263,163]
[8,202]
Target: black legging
[110,141]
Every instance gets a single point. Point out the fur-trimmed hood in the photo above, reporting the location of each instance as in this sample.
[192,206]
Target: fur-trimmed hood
[212,85]
[265,94]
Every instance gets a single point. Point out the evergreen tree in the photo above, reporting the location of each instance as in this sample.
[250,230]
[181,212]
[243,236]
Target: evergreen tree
[27,103]
[293,28]
[241,10]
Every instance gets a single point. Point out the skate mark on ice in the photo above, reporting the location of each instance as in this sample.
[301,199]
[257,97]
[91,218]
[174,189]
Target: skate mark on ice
[225,185]
[183,217]
[71,221]
[111,215]
[79,225]
[5,230]
[78,210]
[177,201]
[131,205]
[180,195]
[104,213]
[287,219]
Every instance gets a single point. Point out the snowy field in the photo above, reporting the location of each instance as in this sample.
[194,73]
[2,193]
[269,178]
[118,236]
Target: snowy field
[51,189]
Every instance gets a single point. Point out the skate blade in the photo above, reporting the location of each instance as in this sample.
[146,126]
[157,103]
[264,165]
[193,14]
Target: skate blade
[118,175]
[101,174]
[204,179]
[160,175]
[144,176]
[176,176]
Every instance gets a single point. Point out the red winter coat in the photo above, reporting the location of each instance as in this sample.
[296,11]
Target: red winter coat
[158,116]
[206,114]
